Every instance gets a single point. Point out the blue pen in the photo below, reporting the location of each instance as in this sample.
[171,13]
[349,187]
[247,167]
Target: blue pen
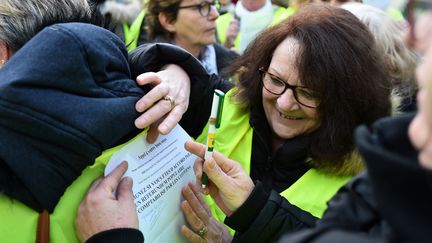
[214,122]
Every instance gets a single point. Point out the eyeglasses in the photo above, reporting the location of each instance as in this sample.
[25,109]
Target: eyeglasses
[413,10]
[276,86]
[204,8]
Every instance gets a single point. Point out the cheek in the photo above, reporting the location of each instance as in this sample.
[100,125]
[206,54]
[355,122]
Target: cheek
[418,131]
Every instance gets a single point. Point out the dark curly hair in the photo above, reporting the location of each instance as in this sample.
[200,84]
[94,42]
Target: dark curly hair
[337,59]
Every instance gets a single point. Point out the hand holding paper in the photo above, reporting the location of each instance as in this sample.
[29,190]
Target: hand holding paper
[101,210]
[229,184]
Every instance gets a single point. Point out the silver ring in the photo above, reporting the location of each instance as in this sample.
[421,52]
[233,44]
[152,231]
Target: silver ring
[202,232]
[171,100]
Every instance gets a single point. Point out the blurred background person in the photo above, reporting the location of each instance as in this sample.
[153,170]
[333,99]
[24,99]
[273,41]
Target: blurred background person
[238,28]
[191,25]
[401,61]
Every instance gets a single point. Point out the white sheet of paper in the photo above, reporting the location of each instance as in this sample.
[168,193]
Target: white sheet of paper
[159,171]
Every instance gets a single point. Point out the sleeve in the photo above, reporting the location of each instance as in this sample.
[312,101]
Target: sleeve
[351,216]
[152,56]
[328,236]
[265,217]
[119,235]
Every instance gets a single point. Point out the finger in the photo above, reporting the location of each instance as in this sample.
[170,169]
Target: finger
[196,205]
[172,119]
[223,163]
[196,190]
[111,181]
[94,185]
[153,114]
[152,133]
[124,191]
[152,97]
[215,173]
[190,235]
[191,216]
[195,148]
[198,168]
[148,78]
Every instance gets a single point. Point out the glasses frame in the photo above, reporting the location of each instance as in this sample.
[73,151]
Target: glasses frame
[263,72]
[200,7]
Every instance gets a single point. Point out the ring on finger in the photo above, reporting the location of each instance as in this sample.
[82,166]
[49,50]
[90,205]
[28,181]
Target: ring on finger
[202,232]
[170,99]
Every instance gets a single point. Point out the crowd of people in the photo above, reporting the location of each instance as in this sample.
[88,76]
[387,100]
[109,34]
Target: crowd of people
[326,121]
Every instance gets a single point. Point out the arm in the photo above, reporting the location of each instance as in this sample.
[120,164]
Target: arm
[152,57]
[256,215]
[351,216]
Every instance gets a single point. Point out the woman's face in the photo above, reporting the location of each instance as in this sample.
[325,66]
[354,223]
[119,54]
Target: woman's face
[286,117]
[420,131]
[192,30]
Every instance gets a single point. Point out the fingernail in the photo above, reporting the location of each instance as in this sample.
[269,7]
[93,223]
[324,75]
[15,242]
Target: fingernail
[163,129]
[211,163]
[128,180]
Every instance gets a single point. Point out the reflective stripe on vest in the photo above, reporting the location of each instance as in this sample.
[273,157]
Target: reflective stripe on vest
[234,139]
[19,221]
[223,21]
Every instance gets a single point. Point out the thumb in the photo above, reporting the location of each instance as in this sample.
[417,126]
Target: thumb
[216,175]
[124,190]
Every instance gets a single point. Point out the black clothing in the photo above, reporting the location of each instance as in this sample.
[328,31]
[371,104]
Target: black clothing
[224,56]
[265,217]
[390,203]
[280,170]
[118,235]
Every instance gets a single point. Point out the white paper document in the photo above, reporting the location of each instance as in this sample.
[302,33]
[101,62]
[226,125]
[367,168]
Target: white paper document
[159,171]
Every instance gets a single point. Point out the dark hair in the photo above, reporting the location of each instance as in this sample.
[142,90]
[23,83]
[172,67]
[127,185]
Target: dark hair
[153,7]
[337,59]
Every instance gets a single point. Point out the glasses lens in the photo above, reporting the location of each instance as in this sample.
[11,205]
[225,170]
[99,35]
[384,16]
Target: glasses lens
[204,9]
[306,97]
[272,84]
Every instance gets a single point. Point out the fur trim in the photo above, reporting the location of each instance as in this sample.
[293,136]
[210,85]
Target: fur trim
[122,11]
[351,166]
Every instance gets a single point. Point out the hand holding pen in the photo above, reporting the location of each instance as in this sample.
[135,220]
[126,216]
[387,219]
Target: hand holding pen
[214,122]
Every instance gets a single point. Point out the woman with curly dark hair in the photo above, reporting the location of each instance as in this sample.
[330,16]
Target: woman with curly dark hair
[300,90]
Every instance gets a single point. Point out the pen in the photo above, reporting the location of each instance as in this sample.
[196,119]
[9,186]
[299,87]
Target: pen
[214,122]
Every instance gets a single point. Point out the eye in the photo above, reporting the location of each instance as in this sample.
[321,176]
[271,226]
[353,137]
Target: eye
[308,94]
[275,81]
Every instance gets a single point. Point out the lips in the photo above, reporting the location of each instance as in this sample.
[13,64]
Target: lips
[289,117]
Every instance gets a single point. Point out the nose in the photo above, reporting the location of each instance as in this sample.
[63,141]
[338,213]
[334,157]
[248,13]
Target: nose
[287,101]
[214,13]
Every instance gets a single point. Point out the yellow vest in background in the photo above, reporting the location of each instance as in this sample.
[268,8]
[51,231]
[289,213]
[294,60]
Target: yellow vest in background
[222,24]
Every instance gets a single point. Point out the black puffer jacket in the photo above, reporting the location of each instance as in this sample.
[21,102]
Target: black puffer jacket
[391,203]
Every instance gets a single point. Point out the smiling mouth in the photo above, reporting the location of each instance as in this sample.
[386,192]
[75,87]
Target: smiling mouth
[290,117]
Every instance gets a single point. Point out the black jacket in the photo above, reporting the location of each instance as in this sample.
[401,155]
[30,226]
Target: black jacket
[390,203]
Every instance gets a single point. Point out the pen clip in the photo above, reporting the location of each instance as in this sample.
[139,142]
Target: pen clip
[221,96]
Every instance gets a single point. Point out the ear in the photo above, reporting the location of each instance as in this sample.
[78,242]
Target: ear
[5,54]
[169,26]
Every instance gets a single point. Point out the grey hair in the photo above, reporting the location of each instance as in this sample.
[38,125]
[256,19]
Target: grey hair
[389,38]
[388,35]
[21,20]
